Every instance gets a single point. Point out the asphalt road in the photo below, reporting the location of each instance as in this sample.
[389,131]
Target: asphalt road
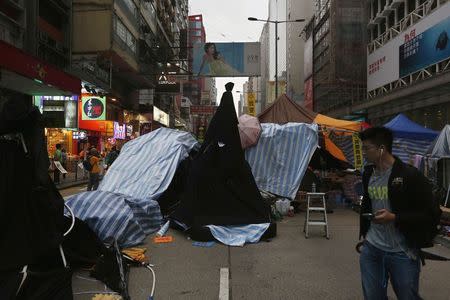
[288,267]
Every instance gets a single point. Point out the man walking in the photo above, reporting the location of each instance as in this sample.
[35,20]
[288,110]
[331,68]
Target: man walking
[396,217]
[94,172]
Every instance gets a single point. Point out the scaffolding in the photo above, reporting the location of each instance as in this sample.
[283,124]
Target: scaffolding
[339,54]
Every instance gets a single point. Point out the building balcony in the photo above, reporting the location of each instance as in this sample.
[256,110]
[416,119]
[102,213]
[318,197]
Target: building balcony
[11,31]
[397,3]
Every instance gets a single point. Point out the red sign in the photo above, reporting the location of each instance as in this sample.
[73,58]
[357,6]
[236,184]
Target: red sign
[203,109]
[15,60]
[309,97]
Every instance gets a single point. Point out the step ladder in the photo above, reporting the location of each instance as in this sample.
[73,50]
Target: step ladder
[316,209]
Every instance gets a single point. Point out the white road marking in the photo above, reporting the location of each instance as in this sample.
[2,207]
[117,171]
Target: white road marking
[224,290]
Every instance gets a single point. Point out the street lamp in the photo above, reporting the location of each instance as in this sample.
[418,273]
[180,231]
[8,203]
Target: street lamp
[276,44]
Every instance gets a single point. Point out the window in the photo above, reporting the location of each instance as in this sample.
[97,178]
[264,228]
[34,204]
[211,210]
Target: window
[125,35]
[131,6]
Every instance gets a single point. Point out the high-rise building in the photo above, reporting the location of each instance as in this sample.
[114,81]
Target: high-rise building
[335,43]
[408,62]
[296,9]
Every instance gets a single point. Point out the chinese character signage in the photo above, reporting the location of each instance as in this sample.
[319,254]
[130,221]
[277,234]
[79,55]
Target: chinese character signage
[357,151]
[93,108]
[251,98]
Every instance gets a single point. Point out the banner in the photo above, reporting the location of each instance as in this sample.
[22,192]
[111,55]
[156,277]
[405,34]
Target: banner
[427,48]
[93,108]
[227,59]
[411,50]
[251,98]
[357,151]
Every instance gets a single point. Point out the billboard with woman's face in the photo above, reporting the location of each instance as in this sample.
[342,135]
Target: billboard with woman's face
[227,59]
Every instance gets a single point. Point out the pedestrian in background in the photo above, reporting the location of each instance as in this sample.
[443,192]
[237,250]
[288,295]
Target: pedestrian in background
[111,157]
[64,160]
[94,172]
[57,156]
[397,217]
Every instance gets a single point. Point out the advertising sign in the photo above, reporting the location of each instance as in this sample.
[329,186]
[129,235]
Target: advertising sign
[251,99]
[93,108]
[227,59]
[357,151]
[203,109]
[58,111]
[308,57]
[309,94]
[418,47]
[427,48]
[160,116]
[119,131]
[167,84]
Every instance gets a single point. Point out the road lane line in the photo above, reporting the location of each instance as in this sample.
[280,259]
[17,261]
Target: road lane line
[224,290]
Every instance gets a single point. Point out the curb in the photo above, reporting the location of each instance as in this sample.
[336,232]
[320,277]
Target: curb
[443,240]
[72,184]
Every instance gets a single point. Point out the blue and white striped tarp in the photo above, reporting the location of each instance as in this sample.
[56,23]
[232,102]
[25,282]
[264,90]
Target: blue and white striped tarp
[238,235]
[146,165]
[281,157]
[124,206]
[405,149]
[345,143]
[117,217]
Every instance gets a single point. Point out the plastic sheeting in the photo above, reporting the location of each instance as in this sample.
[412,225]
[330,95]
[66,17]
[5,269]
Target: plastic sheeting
[238,235]
[441,146]
[146,165]
[281,157]
[117,217]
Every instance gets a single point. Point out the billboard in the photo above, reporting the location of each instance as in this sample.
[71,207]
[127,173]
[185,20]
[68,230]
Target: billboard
[227,59]
[119,131]
[420,46]
[93,108]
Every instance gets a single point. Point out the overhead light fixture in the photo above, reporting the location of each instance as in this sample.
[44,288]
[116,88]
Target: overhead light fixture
[168,64]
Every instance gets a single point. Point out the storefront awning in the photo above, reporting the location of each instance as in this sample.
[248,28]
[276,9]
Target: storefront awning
[30,75]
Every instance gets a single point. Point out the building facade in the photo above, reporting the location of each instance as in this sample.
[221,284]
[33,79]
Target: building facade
[335,43]
[295,44]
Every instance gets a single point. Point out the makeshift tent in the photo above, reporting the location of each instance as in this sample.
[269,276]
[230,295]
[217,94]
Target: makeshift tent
[220,189]
[281,157]
[284,110]
[441,145]
[410,138]
[125,206]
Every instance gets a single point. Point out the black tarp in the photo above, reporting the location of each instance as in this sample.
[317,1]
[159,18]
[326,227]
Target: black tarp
[31,209]
[220,189]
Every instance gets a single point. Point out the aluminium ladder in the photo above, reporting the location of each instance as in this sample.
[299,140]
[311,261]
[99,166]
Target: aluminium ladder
[318,209]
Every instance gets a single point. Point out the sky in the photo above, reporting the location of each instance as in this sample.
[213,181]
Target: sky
[226,21]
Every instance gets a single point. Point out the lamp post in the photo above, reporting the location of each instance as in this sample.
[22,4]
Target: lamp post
[276,44]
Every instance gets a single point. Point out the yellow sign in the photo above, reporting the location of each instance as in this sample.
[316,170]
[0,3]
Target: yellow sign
[251,99]
[357,151]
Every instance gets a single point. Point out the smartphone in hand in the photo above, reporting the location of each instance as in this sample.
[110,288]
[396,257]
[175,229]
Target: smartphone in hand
[368,216]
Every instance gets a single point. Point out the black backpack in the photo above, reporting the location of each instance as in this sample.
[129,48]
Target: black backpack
[87,164]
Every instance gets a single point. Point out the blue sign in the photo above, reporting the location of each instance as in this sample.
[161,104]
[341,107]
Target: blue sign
[425,49]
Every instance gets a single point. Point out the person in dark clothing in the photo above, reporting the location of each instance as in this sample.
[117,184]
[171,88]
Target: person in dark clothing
[64,160]
[57,156]
[111,157]
[395,215]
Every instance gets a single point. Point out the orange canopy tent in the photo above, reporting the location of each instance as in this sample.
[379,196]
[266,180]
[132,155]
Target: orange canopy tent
[284,110]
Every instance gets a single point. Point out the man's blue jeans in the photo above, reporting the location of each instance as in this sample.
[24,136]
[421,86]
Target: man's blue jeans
[377,266]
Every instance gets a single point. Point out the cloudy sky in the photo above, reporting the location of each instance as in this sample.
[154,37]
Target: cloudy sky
[226,21]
